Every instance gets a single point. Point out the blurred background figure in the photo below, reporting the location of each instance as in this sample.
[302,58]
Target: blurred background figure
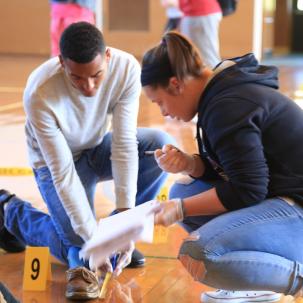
[173,14]
[65,12]
[200,24]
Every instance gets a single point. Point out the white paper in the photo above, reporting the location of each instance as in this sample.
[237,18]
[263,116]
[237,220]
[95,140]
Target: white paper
[114,233]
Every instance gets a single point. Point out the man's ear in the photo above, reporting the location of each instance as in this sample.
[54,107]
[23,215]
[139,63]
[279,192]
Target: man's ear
[61,61]
[175,86]
[107,55]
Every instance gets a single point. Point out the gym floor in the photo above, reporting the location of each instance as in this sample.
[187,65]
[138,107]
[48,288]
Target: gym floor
[163,279]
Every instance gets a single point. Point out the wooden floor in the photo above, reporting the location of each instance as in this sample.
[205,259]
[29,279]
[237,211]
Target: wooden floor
[163,279]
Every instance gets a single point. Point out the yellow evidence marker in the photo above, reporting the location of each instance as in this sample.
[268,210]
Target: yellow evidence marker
[37,268]
[161,232]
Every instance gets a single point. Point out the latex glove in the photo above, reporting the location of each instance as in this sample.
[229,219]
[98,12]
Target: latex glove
[124,258]
[103,269]
[173,160]
[170,212]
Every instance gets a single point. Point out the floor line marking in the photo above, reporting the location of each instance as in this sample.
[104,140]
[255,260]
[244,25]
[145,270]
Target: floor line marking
[16,171]
[161,257]
[11,89]
[7,107]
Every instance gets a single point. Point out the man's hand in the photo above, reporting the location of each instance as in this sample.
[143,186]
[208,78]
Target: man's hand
[124,258]
[104,268]
[170,212]
[173,160]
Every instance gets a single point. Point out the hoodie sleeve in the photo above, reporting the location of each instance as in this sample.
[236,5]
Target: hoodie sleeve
[236,139]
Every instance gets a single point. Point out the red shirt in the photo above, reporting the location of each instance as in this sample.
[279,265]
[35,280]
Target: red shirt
[199,7]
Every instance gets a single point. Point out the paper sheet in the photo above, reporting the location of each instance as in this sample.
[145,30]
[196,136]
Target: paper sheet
[114,233]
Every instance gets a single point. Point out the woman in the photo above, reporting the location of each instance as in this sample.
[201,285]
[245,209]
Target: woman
[243,206]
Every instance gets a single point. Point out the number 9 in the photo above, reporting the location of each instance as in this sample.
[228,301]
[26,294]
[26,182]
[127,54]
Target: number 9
[35,268]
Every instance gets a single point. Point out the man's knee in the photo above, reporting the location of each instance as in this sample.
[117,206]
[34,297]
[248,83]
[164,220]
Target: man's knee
[161,138]
[155,137]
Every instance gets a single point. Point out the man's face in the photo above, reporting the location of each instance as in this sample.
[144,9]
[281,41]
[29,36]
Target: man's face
[87,77]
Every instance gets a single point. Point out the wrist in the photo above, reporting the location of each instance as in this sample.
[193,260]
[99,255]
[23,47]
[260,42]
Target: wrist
[191,165]
[179,209]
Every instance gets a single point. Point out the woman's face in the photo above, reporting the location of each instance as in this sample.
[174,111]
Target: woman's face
[171,102]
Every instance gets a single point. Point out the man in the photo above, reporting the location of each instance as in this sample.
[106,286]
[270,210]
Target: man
[69,102]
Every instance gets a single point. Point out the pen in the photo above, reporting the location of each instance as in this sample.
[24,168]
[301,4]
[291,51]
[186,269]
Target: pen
[149,152]
[152,152]
[113,261]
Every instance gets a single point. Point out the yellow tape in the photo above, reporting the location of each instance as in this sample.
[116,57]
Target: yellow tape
[15,171]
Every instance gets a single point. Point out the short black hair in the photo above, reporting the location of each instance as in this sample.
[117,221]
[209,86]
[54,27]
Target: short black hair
[81,42]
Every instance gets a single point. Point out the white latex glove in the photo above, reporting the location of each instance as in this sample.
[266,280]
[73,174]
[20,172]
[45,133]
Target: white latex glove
[170,212]
[103,269]
[173,160]
[124,258]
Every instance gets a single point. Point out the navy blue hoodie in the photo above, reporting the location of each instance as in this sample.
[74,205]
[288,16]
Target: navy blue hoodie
[250,136]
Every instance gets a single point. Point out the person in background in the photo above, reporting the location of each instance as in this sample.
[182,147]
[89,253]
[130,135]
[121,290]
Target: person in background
[200,24]
[81,128]
[173,14]
[243,202]
[65,12]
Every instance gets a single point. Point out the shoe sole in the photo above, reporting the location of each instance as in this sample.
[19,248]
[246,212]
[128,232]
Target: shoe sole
[137,265]
[81,296]
[210,299]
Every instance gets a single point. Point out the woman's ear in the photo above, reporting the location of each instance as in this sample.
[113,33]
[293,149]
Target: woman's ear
[175,86]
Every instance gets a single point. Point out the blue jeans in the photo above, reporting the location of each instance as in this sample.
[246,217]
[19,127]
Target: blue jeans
[255,248]
[38,229]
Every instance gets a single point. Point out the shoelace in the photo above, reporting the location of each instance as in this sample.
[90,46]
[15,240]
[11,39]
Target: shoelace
[83,272]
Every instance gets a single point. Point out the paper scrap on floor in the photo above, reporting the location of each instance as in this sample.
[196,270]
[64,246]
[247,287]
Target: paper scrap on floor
[114,233]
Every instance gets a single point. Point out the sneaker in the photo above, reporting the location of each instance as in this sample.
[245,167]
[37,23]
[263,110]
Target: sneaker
[8,241]
[82,284]
[223,296]
[138,260]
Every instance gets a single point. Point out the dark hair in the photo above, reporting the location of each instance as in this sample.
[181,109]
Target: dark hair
[81,42]
[174,56]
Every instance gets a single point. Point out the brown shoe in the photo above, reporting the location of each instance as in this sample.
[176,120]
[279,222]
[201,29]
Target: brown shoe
[82,284]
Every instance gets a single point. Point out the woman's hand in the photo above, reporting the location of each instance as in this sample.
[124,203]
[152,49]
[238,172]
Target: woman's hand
[170,212]
[173,160]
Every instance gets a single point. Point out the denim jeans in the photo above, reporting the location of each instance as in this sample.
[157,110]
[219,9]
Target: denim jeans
[38,229]
[8,297]
[255,248]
